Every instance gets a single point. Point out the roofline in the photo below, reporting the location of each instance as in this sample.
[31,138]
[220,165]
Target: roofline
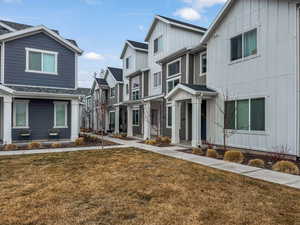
[217,20]
[7,27]
[16,34]
[135,48]
[157,17]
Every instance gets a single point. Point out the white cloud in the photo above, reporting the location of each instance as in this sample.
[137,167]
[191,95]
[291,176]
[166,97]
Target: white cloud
[11,1]
[92,2]
[188,14]
[201,4]
[141,28]
[93,56]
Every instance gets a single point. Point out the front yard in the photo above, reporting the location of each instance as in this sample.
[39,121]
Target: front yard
[130,186]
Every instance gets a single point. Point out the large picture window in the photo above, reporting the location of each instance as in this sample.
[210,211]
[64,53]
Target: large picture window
[60,114]
[244,45]
[136,117]
[246,114]
[174,68]
[39,61]
[20,116]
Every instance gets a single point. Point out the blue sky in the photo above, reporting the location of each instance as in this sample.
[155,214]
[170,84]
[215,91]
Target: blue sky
[101,26]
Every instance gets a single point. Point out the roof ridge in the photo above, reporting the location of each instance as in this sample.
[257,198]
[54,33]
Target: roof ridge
[182,22]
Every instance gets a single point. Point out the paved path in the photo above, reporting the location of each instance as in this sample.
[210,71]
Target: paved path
[257,173]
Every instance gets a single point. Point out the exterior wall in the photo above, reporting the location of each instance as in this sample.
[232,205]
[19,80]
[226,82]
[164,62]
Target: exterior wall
[146,84]
[15,63]
[272,74]
[198,78]
[41,119]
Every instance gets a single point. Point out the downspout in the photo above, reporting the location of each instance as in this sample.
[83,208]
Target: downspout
[297,82]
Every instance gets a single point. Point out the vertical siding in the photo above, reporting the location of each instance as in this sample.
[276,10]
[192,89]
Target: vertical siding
[15,63]
[271,74]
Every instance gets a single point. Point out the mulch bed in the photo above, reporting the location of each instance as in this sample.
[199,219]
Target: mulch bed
[268,158]
[163,145]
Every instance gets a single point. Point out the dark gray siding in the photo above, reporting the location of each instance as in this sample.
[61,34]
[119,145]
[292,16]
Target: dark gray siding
[121,93]
[146,83]
[15,62]
[198,79]
[41,119]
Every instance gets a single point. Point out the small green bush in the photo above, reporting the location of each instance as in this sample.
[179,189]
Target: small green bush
[234,156]
[212,153]
[286,167]
[257,163]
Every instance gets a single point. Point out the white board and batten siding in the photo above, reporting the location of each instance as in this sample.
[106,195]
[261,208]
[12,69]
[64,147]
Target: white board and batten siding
[174,39]
[271,74]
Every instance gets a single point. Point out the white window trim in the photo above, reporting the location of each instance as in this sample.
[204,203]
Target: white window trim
[201,55]
[139,116]
[27,114]
[158,49]
[66,114]
[167,116]
[243,50]
[40,51]
[172,79]
[177,74]
[160,78]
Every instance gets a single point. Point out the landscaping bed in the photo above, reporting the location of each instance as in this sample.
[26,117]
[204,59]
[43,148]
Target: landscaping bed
[123,137]
[131,186]
[158,142]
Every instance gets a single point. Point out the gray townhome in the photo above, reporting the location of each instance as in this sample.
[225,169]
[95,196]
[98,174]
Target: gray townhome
[39,94]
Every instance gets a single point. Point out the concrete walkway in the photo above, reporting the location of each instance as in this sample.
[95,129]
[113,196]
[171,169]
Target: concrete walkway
[253,172]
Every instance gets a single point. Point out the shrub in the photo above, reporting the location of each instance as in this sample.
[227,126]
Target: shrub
[158,139]
[257,163]
[56,145]
[234,156]
[79,141]
[211,153]
[10,147]
[34,145]
[286,167]
[197,151]
[124,135]
[151,142]
[166,140]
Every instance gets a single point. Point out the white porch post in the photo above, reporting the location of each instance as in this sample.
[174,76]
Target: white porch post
[147,120]
[74,119]
[106,121]
[196,118]
[129,122]
[117,120]
[7,120]
[175,122]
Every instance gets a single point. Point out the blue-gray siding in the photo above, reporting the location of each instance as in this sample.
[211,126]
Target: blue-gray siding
[15,62]
[41,119]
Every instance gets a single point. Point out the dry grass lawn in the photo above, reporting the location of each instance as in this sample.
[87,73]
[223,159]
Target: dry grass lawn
[118,187]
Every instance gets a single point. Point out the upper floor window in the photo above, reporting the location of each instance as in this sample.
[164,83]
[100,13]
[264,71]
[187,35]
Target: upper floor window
[157,79]
[136,95]
[244,45]
[174,68]
[158,44]
[128,62]
[203,65]
[246,114]
[40,61]
[113,92]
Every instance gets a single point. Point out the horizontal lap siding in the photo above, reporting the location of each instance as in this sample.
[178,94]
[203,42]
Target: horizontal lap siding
[41,119]
[15,63]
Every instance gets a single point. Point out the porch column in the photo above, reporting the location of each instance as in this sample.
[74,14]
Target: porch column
[117,120]
[7,120]
[129,122]
[147,120]
[196,124]
[175,122]
[74,119]
[106,120]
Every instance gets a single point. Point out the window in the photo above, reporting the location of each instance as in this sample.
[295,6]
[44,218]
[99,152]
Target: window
[244,45]
[172,84]
[158,44]
[128,62]
[136,95]
[247,114]
[112,118]
[60,114]
[135,117]
[169,116]
[174,68]
[127,89]
[39,61]
[113,92]
[20,114]
[203,64]
[157,79]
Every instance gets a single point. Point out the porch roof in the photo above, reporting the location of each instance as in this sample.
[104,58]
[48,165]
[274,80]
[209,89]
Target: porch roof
[192,89]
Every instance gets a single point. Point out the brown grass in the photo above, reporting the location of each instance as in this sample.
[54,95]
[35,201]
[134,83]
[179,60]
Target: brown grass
[133,187]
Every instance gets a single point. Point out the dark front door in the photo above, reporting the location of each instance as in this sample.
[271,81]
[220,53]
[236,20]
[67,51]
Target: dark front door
[203,121]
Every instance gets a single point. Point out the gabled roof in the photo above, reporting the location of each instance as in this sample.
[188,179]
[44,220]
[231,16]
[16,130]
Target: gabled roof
[101,81]
[12,30]
[117,73]
[226,8]
[176,23]
[138,46]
